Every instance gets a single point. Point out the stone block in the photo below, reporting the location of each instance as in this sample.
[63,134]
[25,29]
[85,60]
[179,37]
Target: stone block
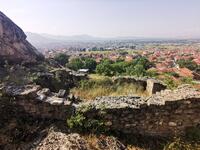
[172,124]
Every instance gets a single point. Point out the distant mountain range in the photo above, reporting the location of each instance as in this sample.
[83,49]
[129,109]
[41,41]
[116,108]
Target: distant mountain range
[36,38]
[51,41]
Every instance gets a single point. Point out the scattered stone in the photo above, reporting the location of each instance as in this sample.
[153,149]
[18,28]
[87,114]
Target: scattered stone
[42,97]
[62,93]
[116,102]
[27,90]
[55,100]
[182,92]
[67,102]
[44,91]
[172,124]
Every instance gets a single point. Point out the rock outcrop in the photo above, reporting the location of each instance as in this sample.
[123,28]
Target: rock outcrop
[13,44]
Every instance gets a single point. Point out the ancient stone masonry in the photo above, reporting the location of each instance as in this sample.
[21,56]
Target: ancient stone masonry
[166,115]
[154,86]
[150,85]
[38,102]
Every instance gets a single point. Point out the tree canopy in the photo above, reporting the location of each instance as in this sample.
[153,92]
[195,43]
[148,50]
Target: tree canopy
[62,59]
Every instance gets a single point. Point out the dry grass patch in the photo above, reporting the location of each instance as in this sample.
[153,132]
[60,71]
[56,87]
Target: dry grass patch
[98,86]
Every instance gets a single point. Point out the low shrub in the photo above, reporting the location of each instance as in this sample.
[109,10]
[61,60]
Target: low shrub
[81,123]
[187,80]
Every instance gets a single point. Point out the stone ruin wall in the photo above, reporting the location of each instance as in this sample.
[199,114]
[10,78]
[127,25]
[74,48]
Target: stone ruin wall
[154,120]
[44,105]
[168,119]
[151,86]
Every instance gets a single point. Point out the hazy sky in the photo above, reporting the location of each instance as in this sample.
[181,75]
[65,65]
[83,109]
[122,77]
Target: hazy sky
[107,18]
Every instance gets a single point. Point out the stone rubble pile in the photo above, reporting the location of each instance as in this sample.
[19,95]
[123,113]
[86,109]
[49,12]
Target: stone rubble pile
[37,93]
[61,141]
[182,92]
[116,102]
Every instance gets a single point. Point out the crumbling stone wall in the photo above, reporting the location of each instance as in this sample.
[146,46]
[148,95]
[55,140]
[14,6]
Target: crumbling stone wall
[150,85]
[154,120]
[154,86]
[45,110]
[163,114]
[167,113]
[39,103]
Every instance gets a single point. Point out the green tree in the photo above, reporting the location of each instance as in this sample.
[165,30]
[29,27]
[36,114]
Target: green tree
[62,59]
[90,64]
[119,67]
[152,73]
[105,68]
[137,70]
[140,70]
[76,64]
[187,64]
[144,62]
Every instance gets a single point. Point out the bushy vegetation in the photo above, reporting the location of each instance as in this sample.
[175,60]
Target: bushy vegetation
[187,63]
[137,67]
[170,82]
[106,67]
[82,63]
[62,59]
[187,80]
[81,123]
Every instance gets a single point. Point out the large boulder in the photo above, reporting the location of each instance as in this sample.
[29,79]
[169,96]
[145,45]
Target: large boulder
[13,44]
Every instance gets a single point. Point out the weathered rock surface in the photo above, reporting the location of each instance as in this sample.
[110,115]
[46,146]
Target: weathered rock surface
[115,102]
[13,44]
[61,141]
[154,86]
[56,80]
[38,102]
[181,93]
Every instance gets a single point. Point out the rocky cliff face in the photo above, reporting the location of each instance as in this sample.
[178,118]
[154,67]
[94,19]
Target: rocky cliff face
[13,44]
